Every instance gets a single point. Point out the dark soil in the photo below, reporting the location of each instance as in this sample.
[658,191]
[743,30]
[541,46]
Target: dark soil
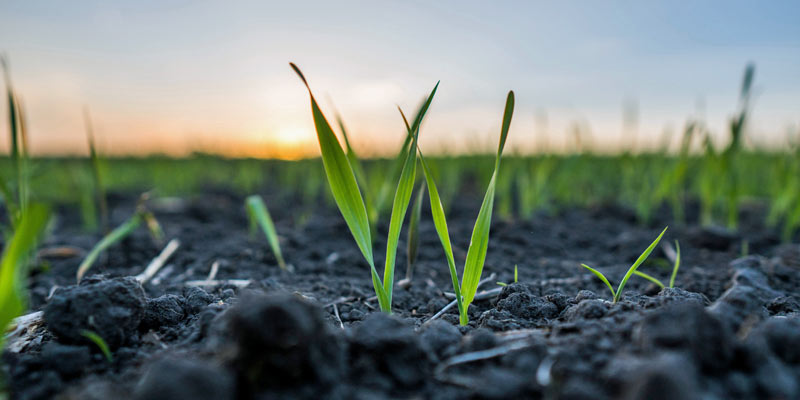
[730,328]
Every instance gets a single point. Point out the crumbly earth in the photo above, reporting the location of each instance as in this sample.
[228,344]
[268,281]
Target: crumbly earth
[729,329]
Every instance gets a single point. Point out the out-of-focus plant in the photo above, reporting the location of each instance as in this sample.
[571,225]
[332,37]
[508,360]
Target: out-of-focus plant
[119,233]
[14,264]
[259,216]
[15,190]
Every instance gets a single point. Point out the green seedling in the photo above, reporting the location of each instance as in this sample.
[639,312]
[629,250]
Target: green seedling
[350,202]
[479,243]
[516,278]
[14,264]
[119,233]
[259,215]
[99,342]
[618,293]
[674,270]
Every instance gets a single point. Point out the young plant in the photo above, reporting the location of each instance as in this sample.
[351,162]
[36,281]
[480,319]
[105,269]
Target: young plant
[618,293]
[479,243]
[119,233]
[674,270]
[259,215]
[94,159]
[516,278]
[99,342]
[14,264]
[350,202]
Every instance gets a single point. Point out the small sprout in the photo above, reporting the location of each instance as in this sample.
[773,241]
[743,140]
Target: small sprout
[99,189]
[121,232]
[259,215]
[516,278]
[677,265]
[14,264]
[617,294]
[674,270]
[101,344]
[649,278]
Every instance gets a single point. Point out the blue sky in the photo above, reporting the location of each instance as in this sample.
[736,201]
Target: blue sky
[175,75]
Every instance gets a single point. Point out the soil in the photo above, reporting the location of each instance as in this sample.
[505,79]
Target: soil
[729,329]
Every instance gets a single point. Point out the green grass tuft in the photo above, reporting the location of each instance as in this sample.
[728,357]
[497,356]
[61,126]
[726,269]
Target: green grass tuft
[259,215]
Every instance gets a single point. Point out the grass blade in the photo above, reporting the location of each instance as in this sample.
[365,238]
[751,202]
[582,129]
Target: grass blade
[479,243]
[398,163]
[258,213]
[116,235]
[649,278]
[440,223]
[13,264]
[602,278]
[401,199]
[361,176]
[345,190]
[636,264]
[677,264]
[100,342]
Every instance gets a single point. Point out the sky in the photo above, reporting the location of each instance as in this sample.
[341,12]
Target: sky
[176,76]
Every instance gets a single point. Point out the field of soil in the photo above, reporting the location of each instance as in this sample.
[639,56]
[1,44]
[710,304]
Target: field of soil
[729,329]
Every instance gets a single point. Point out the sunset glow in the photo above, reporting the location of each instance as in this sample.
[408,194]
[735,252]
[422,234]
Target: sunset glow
[154,88]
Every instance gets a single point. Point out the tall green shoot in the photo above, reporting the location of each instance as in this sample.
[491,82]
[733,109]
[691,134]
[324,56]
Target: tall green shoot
[94,159]
[13,264]
[259,215]
[350,202]
[476,253]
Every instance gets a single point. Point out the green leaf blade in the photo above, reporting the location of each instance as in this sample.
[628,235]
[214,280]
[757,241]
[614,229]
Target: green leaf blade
[602,278]
[341,178]
[344,189]
[479,243]
[649,278]
[677,265]
[259,213]
[119,233]
[402,197]
[636,264]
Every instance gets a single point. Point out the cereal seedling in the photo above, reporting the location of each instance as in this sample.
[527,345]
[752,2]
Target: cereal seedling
[350,202]
[119,233]
[674,270]
[618,293]
[516,278]
[99,342]
[479,243]
[14,264]
[99,189]
[259,215]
